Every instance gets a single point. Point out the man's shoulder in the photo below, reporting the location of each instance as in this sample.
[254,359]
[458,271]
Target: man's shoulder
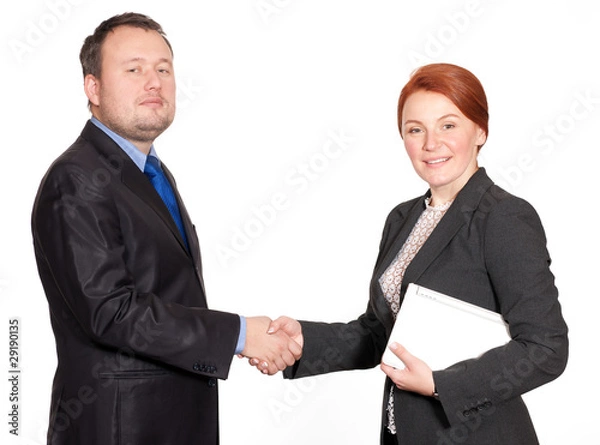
[90,150]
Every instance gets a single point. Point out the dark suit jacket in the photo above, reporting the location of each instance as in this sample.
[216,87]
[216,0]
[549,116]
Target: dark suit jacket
[489,249]
[139,353]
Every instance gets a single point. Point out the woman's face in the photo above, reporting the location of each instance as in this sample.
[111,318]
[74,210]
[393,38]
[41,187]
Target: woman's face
[442,143]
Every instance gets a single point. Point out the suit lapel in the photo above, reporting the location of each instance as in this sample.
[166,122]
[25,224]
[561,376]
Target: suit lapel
[446,229]
[459,213]
[139,184]
[135,180]
[409,218]
[185,217]
[194,246]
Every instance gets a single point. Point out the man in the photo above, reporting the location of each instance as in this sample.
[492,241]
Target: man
[139,352]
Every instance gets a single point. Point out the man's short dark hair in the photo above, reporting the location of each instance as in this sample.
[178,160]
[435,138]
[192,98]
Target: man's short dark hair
[91,54]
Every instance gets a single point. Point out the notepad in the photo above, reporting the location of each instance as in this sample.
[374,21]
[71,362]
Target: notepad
[442,330]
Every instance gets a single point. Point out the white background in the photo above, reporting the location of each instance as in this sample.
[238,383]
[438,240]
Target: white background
[264,88]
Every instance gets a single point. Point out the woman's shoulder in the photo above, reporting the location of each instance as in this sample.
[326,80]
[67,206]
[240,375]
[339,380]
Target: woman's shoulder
[404,208]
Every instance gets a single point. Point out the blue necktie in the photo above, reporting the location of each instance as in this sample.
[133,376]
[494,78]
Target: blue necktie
[162,186]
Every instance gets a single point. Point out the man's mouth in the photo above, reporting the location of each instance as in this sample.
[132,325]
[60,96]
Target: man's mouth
[152,102]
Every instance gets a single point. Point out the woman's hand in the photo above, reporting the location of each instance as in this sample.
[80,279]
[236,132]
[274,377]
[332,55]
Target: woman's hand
[285,325]
[416,376]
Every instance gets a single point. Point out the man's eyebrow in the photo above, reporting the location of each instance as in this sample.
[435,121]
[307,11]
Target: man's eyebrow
[143,59]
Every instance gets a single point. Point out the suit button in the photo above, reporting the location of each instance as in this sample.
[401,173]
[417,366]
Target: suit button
[212,382]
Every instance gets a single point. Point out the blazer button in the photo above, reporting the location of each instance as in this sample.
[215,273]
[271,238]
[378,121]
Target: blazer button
[212,382]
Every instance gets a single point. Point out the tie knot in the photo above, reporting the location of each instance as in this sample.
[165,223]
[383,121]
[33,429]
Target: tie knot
[152,166]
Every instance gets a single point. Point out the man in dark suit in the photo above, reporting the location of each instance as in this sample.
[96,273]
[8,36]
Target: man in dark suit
[139,352]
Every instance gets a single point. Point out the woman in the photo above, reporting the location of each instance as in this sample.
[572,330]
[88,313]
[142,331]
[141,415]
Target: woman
[467,238]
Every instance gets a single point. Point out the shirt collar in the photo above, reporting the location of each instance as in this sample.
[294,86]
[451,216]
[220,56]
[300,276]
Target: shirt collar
[131,150]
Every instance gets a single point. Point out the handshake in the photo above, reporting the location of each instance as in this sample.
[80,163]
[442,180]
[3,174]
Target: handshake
[272,346]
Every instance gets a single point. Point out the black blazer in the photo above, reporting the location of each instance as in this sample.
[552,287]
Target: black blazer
[139,353]
[489,249]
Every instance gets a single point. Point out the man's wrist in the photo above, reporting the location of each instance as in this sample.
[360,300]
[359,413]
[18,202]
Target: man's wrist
[241,343]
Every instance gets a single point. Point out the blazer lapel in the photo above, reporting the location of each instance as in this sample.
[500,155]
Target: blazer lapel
[193,244]
[459,213]
[131,176]
[185,217]
[139,184]
[409,217]
[446,229]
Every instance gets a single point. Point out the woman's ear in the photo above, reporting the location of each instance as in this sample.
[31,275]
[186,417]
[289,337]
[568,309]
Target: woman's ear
[481,137]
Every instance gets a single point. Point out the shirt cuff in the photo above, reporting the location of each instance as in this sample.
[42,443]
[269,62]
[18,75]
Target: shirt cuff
[241,343]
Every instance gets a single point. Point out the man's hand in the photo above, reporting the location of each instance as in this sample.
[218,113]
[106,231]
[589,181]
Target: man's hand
[291,328]
[416,377]
[274,350]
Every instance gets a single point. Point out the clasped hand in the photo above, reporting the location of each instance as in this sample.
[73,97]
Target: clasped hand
[270,348]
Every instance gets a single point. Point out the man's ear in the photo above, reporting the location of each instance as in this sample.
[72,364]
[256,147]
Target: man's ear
[91,86]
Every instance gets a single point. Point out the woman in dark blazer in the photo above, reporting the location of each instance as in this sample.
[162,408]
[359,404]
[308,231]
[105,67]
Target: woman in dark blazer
[468,238]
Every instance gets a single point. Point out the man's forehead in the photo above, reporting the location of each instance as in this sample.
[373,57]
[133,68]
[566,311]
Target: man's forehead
[130,39]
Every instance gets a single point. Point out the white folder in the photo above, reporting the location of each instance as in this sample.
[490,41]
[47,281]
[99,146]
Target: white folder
[443,330]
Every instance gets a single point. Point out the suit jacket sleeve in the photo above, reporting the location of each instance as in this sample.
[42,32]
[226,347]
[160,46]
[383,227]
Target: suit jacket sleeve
[517,262]
[331,347]
[85,268]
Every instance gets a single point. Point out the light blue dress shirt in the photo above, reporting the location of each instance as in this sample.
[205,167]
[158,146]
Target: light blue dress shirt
[139,159]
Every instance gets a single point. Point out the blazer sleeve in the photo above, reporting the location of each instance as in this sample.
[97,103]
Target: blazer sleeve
[82,262]
[518,265]
[332,347]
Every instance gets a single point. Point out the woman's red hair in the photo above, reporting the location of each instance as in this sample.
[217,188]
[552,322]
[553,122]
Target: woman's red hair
[456,83]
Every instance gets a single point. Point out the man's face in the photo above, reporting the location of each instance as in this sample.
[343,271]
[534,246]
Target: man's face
[135,93]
